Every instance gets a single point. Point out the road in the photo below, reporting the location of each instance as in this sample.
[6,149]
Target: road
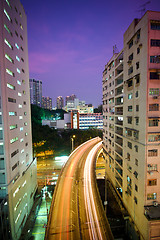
[76,211]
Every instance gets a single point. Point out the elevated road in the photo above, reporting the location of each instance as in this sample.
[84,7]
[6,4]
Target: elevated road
[76,211]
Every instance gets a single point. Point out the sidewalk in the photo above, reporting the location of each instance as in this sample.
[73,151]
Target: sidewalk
[37,220]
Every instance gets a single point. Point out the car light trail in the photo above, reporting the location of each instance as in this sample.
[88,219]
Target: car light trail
[92,217]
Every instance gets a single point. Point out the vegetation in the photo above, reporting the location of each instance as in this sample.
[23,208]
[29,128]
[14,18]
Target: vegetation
[46,138]
[98,110]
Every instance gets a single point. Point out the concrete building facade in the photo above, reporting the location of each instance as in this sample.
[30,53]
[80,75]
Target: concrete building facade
[131,140]
[18,178]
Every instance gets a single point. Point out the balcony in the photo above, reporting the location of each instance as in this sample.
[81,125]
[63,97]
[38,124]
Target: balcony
[119,121]
[119,101]
[119,179]
[119,91]
[119,111]
[119,81]
[119,131]
[119,141]
[119,150]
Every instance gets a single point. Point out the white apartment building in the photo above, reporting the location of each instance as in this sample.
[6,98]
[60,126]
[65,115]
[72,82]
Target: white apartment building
[18,178]
[131,140]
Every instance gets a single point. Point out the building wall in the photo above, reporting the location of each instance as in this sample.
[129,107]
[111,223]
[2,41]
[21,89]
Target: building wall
[16,161]
[131,115]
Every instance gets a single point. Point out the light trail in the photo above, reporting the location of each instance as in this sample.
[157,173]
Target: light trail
[92,217]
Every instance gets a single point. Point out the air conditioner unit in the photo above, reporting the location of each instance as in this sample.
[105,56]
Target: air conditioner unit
[155,203]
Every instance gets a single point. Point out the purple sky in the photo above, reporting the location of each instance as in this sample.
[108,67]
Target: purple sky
[70,42]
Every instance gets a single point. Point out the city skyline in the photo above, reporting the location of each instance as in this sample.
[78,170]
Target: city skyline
[70,42]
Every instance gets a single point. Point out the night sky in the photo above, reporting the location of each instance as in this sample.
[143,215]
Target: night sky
[70,42]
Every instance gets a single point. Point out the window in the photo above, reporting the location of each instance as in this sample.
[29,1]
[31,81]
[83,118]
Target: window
[14,153]
[17,58]
[137,65]
[130,58]
[136,148]
[153,123]
[130,108]
[136,188]
[153,153]
[136,94]
[136,200]
[137,77]
[11,127]
[129,120]
[128,157]
[152,167]
[155,43]
[137,108]
[136,135]
[153,107]
[154,75]
[8,44]
[154,91]
[15,165]
[155,59]
[16,33]
[12,113]
[7,15]
[137,120]
[151,196]
[130,70]
[129,133]
[138,50]
[152,182]
[14,140]
[130,96]
[135,174]
[155,25]
[9,58]
[10,86]
[16,45]
[130,145]
[136,161]
[8,30]
[12,100]
[16,21]
[9,72]
[154,138]
[130,44]
[8,3]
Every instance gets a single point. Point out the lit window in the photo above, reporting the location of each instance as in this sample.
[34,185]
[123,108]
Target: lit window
[9,72]
[151,196]
[20,106]
[8,3]
[19,94]
[21,26]
[19,83]
[10,86]
[130,96]
[21,140]
[8,30]
[8,44]
[12,113]
[26,134]
[18,70]
[11,127]
[18,59]
[20,117]
[21,128]
[7,15]
[22,151]
[16,45]
[9,58]
[14,140]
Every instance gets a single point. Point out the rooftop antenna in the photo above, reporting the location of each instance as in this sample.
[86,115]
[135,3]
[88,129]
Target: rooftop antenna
[143,7]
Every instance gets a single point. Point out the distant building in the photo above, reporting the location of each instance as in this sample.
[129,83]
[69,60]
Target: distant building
[60,102]
[90,120]
[47,103]
[70,98]
[35,92]
[131,132]
[18,168]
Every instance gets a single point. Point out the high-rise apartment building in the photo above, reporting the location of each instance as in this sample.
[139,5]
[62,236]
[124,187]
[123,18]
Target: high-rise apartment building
[72,97]
[131,112]
[60,102]
[47,103]
[18,178]
[35,92]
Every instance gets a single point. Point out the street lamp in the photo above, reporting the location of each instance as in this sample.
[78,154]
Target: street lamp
[72,139]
